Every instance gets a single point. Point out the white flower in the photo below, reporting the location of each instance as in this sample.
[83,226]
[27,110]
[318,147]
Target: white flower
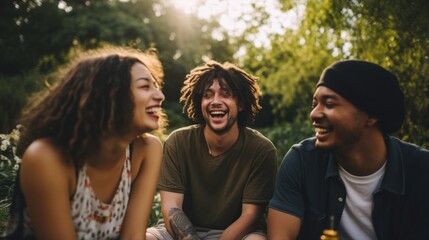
[3,146]
[5,161]
[9,162]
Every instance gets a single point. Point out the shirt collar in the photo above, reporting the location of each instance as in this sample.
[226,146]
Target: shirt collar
[394,178]
[332,169]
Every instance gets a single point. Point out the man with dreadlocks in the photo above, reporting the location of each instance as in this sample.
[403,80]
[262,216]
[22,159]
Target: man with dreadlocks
[217,176]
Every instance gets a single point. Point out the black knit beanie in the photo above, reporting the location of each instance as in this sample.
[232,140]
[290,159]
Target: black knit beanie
[370,88]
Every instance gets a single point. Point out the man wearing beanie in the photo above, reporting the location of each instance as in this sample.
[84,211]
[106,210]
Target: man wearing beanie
[353,176]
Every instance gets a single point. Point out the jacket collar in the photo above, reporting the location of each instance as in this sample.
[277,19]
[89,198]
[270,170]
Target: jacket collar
[394,176]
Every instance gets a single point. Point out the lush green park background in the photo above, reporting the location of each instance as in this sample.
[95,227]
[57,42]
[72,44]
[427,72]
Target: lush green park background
[37,36]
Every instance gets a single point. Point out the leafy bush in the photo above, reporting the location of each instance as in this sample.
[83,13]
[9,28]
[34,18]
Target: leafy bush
[9,164]
[14,93]
[156,213]
[284,135]
[176,117]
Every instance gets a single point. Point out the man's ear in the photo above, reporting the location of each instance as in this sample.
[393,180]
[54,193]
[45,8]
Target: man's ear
[371,121]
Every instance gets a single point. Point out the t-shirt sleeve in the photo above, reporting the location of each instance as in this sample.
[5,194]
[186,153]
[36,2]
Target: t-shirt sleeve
[260,184]
[288,197]
[170,178]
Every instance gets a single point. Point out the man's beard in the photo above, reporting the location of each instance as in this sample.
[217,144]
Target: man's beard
[223,130]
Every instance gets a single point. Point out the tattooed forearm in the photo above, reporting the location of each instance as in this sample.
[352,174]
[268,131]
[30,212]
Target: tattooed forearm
[181,226]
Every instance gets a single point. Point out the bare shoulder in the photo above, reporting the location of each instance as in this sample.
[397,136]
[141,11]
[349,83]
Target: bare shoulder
[43,152]
[152,139]
[44,162]
[46,181]
[148,143]
[147,151]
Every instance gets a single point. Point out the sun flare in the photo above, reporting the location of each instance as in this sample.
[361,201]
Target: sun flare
[235,16]
[187,6]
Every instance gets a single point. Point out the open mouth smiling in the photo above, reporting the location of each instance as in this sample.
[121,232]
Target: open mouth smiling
[153,110]
[321,130]
[217,114]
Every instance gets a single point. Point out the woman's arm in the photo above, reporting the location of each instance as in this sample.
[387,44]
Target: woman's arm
[46,182]
[147,154]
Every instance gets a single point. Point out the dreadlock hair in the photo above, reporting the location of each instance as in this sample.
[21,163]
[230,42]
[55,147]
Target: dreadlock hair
[91,99]
[242,85]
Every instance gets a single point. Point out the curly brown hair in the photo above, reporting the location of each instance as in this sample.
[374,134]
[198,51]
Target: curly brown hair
[91,99]
[243,86]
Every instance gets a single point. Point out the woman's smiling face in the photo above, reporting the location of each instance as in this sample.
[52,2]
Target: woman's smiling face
[147,97]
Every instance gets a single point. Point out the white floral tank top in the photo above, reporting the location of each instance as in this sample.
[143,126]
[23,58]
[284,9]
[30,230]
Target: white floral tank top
[92,218]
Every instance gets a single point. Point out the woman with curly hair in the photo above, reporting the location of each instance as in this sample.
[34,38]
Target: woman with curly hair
[89,165]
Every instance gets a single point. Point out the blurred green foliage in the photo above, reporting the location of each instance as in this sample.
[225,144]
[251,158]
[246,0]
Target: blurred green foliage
[9,164]
[155,214]
[14,93]
[39,36]
[392,33]
[284,135]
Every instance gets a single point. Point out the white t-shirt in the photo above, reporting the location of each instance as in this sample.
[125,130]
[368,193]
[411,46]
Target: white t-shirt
[356,219]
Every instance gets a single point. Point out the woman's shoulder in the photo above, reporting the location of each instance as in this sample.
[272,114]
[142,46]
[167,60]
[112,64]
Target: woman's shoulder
[43,151]
[147,141]
[44,163]
[146,151]
[146,145]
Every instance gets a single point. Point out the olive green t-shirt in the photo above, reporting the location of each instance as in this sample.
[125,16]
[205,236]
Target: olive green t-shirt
[215,188]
